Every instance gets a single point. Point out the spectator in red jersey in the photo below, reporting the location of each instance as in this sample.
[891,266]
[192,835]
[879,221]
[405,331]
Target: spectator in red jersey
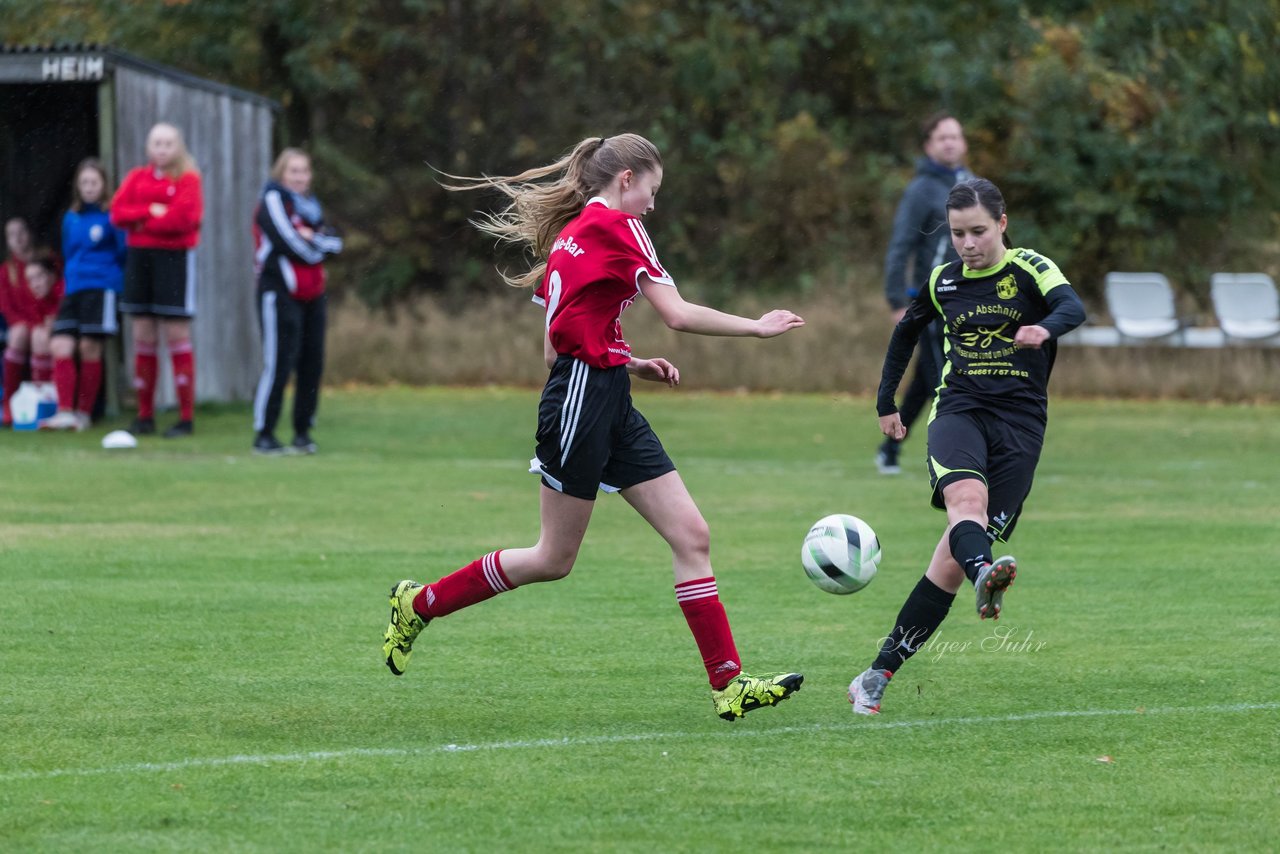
[19,250]
[95,251]
[23,314]
[291,243]
[159,206]
[13,276]
[593,258]
[31,308]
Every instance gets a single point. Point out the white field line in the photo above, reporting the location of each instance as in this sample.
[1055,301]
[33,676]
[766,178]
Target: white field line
[865,725]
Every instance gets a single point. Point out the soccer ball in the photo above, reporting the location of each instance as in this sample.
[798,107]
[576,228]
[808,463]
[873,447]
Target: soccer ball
[840,554]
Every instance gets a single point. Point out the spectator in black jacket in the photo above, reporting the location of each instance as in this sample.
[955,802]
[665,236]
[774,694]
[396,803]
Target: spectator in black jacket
[291,243]
[920,242]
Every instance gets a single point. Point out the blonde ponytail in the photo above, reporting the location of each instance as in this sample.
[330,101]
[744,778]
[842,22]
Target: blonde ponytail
[540,209]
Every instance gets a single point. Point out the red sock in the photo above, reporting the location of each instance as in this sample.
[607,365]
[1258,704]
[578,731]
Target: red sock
[144,378]
[90,383]
[184,377]
[15,365]
[477,581]
[41,368]
[700,603]
[64,377]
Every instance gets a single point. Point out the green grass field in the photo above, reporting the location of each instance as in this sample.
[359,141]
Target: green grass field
[189,642]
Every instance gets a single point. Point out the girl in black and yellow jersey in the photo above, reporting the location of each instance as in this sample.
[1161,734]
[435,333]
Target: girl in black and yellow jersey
[1003,310]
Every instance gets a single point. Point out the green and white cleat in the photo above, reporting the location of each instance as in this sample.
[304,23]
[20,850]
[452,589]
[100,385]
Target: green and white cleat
[746,693]
[405,626]
[866,690]
[993,579]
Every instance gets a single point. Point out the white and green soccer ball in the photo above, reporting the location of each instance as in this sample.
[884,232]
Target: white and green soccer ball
[841,554]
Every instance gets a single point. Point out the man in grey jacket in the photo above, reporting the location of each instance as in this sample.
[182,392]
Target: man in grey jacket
[920,242]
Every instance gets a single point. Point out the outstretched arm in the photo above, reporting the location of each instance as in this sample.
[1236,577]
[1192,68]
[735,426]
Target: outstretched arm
[683,316]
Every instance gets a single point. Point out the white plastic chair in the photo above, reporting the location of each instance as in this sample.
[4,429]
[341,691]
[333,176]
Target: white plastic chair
[1247,305]
[1142,305]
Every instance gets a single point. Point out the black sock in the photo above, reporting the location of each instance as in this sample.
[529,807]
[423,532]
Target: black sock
[970,547]
[921,614]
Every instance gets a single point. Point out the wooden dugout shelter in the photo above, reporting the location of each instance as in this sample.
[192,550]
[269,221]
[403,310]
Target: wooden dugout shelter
[60,104]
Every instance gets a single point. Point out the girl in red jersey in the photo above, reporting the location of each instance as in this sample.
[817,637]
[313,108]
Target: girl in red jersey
[13,280]
[32,309]
[594,259]
[30,292]
[159,206]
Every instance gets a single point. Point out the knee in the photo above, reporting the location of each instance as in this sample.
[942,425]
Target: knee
[19,337]
[553,565]
[967,501]
[556,571]
[693,537]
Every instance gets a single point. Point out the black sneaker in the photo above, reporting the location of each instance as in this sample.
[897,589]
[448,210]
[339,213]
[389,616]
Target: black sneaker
[182,428]
[267,445]
[887,458]
[303,444]
[143,426]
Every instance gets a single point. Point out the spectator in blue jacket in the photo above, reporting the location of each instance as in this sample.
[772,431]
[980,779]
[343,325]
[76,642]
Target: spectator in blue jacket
[920,242]
[95,254]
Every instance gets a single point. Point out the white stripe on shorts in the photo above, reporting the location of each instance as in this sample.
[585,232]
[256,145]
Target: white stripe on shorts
[572,409]
[190,300]
[109,324]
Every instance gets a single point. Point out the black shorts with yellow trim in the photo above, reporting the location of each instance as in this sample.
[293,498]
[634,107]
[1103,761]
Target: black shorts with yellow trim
[590,436]
[984,444]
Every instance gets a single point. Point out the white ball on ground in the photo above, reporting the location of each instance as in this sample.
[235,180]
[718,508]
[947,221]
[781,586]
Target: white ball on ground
[119,439]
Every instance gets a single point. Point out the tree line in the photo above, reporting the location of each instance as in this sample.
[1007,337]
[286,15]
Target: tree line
[1131,135]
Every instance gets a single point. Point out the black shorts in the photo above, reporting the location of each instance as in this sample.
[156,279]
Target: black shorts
[160,282]
[90,312]
[1003,454]
[590,437]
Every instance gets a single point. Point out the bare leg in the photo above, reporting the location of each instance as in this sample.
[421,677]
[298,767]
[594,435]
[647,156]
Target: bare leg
[966,500]
[665,503]
[943,569]
[564,524]
[145,329]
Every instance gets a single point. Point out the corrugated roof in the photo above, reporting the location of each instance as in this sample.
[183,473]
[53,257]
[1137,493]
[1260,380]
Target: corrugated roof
[121,58]
[62,47]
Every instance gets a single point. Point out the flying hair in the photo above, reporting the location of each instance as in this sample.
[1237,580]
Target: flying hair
[540,208]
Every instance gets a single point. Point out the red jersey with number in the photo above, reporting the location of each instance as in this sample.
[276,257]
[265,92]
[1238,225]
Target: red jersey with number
[593,274]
